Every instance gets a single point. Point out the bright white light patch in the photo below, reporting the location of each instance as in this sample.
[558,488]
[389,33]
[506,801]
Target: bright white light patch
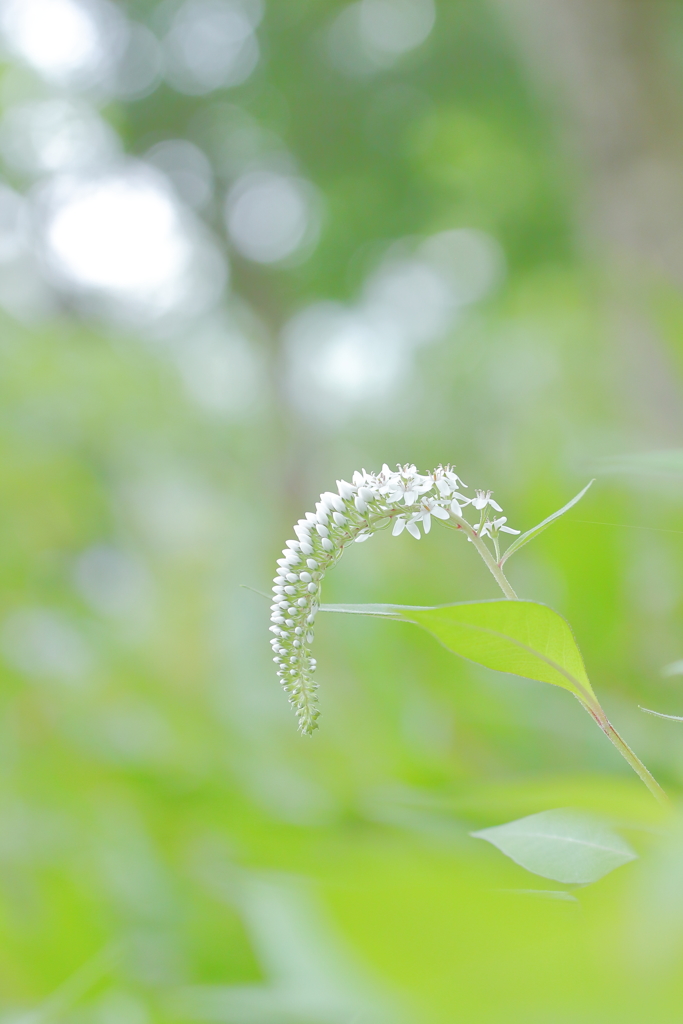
[59,38]
[337,358]
[272,216]
[121,233]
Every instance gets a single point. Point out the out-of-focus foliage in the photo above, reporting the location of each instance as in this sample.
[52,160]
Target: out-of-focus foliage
[562,845]
[246,249]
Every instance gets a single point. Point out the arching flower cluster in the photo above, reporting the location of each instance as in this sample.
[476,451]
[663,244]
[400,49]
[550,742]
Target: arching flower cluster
[403,499]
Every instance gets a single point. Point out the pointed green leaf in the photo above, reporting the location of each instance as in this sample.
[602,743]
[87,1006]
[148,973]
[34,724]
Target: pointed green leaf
[564,845]
[659,714]
[520,541]
[520,637]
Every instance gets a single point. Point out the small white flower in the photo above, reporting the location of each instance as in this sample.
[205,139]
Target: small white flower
[364,479]
[399,526]
[346,490]
[430,507]
[483,499]
[333,501]
[495,526]
[448,482]
[413,528]
[406,485]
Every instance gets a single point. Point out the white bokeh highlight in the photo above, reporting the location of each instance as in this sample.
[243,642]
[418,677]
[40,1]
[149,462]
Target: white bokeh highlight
[139,68]
[371,35]
[394,27]
[344,358]
[44,645]
[271,217]
[56,135]
[211,44]
[119,233]
[123,235]
[337,359]
[472,262]
[112,581]
[70,43]
[14,224]
[187,168]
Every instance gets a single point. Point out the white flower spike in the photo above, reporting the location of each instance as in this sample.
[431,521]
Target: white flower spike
[370,503]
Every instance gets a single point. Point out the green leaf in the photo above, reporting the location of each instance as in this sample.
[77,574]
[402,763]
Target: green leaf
[520,637]
[566,846]
[535,530]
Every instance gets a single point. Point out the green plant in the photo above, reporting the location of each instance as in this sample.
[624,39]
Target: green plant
[512,635]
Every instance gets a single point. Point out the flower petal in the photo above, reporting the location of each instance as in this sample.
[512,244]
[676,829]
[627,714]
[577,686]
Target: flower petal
[346,490]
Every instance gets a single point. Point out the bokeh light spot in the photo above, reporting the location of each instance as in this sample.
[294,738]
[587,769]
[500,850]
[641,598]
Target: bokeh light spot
[272,216]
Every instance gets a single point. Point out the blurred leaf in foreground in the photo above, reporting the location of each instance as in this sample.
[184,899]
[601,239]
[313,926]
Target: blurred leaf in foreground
[563,845]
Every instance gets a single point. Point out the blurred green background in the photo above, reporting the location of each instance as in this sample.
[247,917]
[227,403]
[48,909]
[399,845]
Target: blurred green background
[246,247]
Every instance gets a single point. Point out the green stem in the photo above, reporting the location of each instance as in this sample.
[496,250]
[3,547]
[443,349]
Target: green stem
[599,716]
[492,565]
